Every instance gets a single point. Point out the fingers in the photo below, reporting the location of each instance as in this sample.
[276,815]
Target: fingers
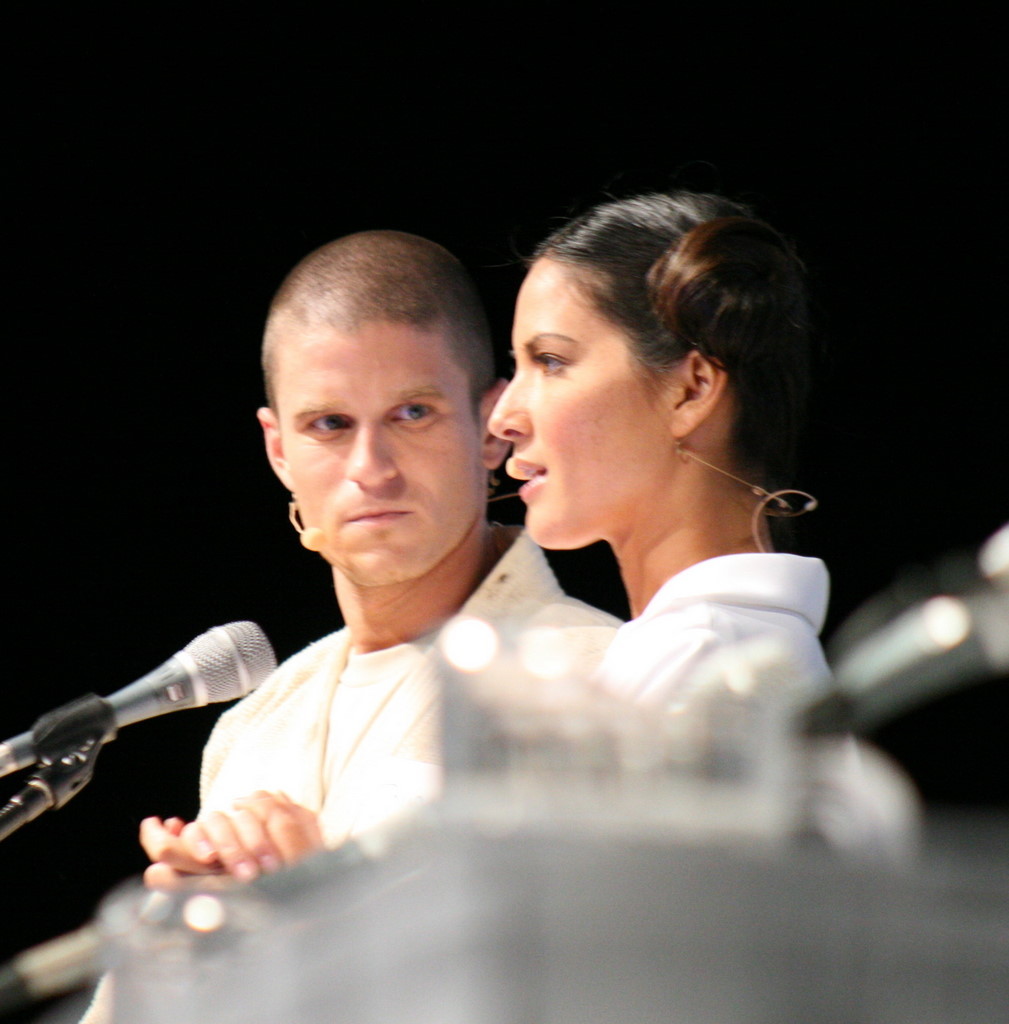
[293,831]
[238,840]
[264,832]
[261,834]
[155,836]
[162,841]
[161,876]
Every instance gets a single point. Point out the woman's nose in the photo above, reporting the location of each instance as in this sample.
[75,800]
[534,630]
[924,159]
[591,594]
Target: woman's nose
[508,421]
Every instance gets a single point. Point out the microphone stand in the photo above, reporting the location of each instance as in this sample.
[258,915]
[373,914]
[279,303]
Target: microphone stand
[67,742]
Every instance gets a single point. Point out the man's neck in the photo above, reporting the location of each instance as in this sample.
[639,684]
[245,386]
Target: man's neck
[384,616]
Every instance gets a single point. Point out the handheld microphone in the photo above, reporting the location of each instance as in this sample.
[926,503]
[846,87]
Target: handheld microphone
[224,663]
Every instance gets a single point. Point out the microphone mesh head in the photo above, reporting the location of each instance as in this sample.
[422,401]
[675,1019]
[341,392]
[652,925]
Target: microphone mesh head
[232,660]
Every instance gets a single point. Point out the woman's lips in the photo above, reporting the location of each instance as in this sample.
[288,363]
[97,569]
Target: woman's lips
[531,474]
[519,470]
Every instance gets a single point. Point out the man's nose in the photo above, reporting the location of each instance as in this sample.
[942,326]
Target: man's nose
[371,459]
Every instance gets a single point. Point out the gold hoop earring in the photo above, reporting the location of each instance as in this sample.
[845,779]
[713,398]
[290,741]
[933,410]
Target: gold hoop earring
[772,503]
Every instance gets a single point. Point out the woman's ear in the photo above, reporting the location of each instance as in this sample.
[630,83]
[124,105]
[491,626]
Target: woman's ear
[698,388]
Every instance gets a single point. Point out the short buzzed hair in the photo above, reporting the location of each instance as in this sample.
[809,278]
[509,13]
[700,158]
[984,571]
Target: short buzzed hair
[391,276]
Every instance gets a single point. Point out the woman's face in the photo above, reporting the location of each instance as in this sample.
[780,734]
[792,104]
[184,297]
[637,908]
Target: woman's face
[591,439]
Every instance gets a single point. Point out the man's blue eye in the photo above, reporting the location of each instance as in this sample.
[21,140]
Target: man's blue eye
[414,411]
[333,422]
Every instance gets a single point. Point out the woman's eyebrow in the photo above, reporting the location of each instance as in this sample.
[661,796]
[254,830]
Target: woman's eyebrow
[548,336]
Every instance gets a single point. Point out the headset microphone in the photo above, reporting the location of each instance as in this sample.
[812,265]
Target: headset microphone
[313,538]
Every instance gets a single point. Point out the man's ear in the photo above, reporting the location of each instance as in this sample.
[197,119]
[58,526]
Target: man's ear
[494,449]
[274,446]
[698,387]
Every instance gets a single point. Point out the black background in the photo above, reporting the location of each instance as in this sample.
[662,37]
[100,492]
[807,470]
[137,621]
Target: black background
[168,174]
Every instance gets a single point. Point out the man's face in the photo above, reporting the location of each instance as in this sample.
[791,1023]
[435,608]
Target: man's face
[375,434]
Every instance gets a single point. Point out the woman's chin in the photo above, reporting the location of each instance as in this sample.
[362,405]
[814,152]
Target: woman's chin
[555,534]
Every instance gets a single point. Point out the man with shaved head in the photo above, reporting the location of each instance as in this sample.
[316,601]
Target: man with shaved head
[379,380]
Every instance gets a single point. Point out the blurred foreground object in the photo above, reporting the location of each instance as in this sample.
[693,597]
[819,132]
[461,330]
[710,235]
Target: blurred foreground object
[453,924]
[595,861]
[932,633]
[525,741]
[922,670]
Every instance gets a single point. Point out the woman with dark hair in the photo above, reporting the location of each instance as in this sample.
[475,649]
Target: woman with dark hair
[662,366]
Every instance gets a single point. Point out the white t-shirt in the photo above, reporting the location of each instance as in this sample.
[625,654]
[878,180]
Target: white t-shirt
[356,737]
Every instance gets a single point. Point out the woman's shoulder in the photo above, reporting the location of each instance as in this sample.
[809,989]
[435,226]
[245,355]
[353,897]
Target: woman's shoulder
[773,582]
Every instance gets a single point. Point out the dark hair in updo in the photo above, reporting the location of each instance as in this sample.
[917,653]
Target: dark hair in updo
[689,271]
